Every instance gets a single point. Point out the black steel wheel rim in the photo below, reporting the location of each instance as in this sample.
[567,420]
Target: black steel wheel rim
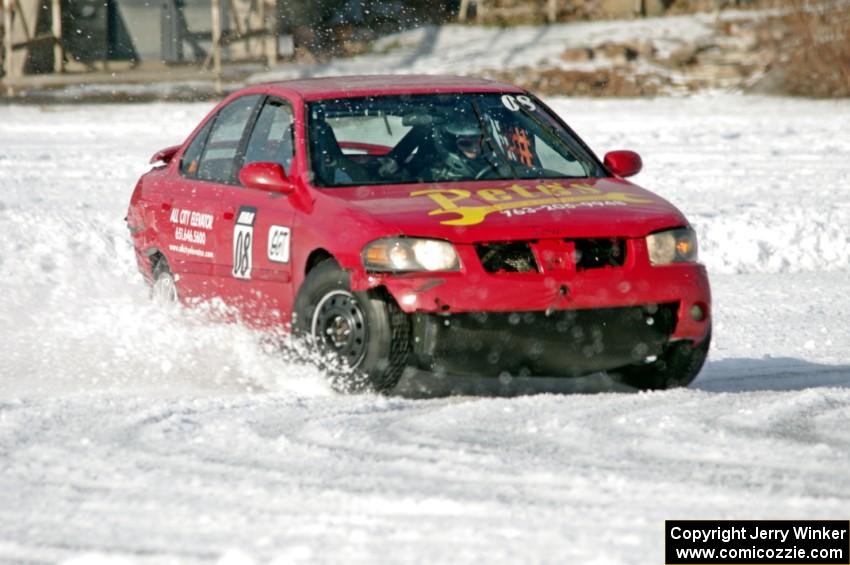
[339,326]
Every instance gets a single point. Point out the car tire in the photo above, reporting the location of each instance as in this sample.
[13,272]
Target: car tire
[677,367]
[362,338]
[164,285]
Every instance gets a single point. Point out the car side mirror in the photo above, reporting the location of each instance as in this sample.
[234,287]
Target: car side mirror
[165,156]
[266,176]
[623,163]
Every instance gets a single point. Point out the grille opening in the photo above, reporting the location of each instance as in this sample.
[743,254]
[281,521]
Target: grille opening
[600,253]
[508,257]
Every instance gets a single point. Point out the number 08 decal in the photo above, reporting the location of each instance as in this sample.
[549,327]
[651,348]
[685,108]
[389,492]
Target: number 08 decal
[243,242]
[513,103]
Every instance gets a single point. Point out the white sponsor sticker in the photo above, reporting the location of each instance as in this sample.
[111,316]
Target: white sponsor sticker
[278,247]
[243,242]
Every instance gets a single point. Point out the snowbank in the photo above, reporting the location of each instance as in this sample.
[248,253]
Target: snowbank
[462,49]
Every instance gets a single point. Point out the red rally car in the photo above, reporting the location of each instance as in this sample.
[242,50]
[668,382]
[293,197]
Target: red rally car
[450,224]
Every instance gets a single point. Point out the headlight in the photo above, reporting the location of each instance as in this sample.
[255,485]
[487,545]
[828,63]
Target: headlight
[410,254]
[672,246]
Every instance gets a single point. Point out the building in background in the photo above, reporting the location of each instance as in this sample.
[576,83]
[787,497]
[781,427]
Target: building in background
[91,34]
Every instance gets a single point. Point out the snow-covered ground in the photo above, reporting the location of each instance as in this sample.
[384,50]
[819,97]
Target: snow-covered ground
[127,432]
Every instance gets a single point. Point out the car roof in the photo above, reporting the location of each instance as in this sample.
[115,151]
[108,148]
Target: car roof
[374,85]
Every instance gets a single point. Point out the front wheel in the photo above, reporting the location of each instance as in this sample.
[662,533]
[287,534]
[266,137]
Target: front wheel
[363,338]
[677,366]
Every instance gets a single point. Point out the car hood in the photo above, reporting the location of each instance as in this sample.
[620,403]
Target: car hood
[502,210]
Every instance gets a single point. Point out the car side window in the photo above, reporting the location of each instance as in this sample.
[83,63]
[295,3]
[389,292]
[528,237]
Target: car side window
[189,163]
[272,138]
[560,162]
[218,161]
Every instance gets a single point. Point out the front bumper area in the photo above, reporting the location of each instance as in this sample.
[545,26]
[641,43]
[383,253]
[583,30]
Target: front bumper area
[683,285]
[563,343]
[558,321]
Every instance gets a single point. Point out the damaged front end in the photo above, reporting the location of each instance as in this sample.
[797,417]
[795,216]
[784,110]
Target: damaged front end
[561,343]
[550,307]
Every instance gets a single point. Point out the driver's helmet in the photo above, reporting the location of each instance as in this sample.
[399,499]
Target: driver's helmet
[458,141]
[464,137]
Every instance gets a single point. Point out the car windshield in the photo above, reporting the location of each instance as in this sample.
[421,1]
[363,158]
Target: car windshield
[440,137]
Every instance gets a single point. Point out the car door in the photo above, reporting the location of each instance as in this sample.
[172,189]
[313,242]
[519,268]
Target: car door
[259,237]
[197,210]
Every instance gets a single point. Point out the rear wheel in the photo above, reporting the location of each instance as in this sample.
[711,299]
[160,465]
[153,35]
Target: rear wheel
[363,338]
[164,287]
[678,366]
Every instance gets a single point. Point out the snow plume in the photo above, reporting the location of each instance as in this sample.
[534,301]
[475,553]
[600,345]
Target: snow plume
[76,314]
[81,318]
